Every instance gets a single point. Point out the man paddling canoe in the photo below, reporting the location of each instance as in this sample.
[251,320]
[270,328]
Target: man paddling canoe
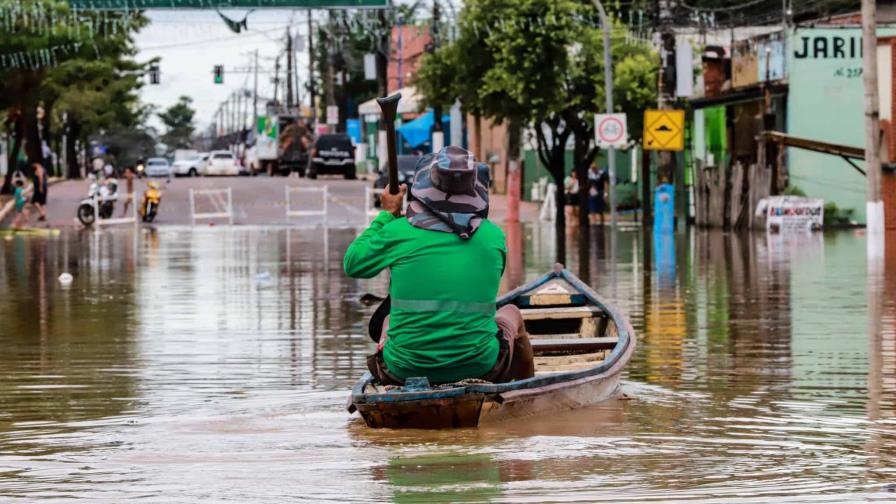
[446,260]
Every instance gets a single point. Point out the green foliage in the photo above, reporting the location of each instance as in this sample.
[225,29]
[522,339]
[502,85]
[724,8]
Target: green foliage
[79,66]
[793,190]
[836,216]
[178,121]
[540,62]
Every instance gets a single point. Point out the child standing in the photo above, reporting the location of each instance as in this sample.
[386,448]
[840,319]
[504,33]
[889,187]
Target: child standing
[21,212]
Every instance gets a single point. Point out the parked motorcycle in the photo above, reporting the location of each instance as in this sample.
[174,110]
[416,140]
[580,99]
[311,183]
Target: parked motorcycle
[149,205]
[100,201]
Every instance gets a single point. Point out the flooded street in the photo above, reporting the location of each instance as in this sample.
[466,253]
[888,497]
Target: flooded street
[214,364]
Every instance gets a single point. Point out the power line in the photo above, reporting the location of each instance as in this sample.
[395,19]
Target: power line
[722,9]
[254,33]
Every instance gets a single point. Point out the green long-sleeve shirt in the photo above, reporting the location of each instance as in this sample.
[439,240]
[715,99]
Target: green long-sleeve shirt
[443,288]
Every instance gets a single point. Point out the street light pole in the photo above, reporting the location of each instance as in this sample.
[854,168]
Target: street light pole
[608,91]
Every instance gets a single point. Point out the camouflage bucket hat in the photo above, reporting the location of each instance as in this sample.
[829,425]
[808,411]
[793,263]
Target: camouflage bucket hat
[450,192]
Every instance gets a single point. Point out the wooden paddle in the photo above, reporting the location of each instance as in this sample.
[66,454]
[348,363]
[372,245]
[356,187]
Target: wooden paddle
[389,106]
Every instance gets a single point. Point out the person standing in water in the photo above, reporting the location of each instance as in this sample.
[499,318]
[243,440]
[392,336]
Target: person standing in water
[129,198]
[39,195]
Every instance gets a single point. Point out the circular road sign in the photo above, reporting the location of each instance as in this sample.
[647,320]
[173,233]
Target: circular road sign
[610,130]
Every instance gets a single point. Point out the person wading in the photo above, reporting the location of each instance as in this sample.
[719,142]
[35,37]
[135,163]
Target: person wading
[446,260]
[39,191]
[129,199]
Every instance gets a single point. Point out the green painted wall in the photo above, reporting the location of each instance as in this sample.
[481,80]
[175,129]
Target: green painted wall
[825,103]
[533,169]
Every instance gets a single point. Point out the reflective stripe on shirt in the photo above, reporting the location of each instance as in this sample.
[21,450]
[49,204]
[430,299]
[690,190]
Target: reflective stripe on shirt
[442,305]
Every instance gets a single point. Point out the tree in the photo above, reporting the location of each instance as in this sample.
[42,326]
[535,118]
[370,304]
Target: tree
[76,67]
[540,62]
[178,120]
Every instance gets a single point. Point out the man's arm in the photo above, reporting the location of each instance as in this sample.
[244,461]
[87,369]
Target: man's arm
[373,251]
[369,253]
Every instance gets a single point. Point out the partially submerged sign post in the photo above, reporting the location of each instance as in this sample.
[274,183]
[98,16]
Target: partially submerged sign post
[225,4]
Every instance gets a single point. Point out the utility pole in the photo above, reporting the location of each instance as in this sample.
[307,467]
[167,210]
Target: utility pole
[289,96]
[234,112]
[225,127]
[255,94]
[276,76]
[298,98]
[239,111]
[331,96]
[438,136]
[608,90]
[246,110]
[874,207]
[311,90]
[382,75]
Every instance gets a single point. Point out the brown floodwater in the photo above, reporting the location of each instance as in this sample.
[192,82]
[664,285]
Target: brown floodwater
[214,364]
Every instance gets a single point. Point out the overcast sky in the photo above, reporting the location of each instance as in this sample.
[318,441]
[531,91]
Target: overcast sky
[190,43]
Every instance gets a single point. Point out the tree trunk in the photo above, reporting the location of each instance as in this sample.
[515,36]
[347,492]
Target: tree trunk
[477,136]
[31,134]
[556,171]
[580,165]
[13,158]
[72,133]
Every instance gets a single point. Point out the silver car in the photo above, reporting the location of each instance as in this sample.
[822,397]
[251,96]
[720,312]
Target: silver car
[158,167]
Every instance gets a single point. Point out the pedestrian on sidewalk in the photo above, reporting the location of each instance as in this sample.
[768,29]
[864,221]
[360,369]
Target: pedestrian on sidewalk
[39,195]
[20,202]
[571,188]
[129,198]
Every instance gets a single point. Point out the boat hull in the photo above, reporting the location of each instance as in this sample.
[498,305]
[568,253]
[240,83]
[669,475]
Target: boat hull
[472,410]
[548,303]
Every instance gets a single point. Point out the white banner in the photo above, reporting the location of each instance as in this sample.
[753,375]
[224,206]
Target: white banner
[370,66]
[791,213]
[332,114]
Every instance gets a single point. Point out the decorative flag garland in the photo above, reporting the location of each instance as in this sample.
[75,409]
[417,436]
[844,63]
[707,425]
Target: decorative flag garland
[38,58]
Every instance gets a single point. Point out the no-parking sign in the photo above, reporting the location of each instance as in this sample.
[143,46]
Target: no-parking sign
[610,130]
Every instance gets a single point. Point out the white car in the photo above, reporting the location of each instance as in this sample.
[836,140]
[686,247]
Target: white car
[221,163]
[192,166]
[157,167]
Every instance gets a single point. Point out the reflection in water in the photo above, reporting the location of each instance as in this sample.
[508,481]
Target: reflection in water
[207,363]
[441,478]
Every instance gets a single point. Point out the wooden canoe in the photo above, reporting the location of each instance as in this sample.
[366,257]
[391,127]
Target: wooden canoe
[581,345]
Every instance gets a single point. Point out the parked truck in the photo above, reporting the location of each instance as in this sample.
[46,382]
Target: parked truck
[281,146]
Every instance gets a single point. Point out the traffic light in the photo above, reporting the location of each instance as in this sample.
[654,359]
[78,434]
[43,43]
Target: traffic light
[154,74]
[219,74]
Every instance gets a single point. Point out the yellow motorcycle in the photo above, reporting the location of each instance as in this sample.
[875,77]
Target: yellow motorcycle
[149,205]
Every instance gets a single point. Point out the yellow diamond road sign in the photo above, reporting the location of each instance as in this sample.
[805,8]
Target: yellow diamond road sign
[664,130]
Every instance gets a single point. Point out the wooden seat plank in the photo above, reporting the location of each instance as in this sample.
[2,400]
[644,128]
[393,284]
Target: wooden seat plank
[560,313]
[573,344]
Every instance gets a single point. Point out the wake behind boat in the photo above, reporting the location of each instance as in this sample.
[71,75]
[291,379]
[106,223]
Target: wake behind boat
[581,345]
